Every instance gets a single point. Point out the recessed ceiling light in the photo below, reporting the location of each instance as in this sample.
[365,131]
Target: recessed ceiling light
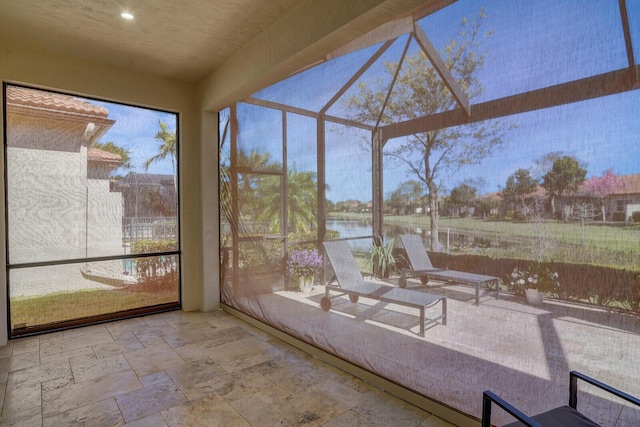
[127,16]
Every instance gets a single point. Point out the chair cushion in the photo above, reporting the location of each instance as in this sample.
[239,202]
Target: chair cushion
[563,416]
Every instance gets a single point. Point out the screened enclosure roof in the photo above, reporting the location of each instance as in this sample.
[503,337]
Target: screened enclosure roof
[536,55]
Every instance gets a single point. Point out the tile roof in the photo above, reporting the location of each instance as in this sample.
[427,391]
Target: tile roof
[52,101]
[631,184]
[97,155]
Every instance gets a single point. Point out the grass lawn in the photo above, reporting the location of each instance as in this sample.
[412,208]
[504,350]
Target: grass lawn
[64,306]
[613,245]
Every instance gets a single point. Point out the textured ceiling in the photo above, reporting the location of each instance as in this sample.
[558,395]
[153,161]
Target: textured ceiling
[179,39]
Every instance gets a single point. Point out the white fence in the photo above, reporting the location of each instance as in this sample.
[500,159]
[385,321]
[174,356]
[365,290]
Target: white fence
[134,229]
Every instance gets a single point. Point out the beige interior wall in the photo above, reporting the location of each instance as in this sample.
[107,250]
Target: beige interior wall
[24,65]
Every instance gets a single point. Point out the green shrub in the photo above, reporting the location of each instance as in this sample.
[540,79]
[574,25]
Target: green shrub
[598,285]
[161,269]
[618,217]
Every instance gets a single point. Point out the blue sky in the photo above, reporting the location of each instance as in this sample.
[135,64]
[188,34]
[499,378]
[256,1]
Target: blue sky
[533,44]
[134,129]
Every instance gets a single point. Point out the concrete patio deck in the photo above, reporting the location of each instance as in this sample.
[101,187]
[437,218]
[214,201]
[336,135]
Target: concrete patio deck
[522,352]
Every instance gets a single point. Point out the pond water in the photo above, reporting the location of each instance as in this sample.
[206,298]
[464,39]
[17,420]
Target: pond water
[448,240]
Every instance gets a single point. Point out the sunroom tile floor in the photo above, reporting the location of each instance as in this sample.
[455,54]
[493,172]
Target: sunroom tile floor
[184,369]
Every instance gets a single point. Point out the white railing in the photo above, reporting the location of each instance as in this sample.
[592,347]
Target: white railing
[134,229]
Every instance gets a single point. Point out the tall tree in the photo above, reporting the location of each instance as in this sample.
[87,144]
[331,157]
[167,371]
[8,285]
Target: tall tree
[518,187]
[418,92]
[302,194]
[543,164]
[168,147]
[462,196]
[564,178]
[603,187]
[406,196]
[250,184]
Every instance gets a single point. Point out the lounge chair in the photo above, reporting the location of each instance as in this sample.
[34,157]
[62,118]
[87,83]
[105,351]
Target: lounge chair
[421,267]
[351,283]
[558,417]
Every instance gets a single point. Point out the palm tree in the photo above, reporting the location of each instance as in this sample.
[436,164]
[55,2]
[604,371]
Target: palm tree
[301,203]
[112,147]
[167,147]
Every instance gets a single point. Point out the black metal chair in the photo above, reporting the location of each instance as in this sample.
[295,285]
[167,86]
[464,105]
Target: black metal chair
[563,416]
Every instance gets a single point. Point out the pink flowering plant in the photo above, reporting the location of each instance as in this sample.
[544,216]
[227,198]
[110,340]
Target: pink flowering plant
[303,263]
[536,276]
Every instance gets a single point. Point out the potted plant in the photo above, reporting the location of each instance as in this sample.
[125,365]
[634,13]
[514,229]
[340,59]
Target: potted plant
[382,258]
[302,265]
[533,282]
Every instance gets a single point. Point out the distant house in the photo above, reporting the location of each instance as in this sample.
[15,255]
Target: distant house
[147,195]
[626,200]
[620,206]
[150,206]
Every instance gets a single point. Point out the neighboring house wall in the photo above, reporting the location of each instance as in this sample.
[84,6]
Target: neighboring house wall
[46,190]
[104,220]
[60,206]
[618,207]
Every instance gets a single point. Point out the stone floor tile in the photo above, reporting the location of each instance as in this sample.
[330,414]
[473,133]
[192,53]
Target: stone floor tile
[26,345]
[189,375]
[153,359]
[66,356]
[154,378]
[237,385]
[124,327]
[296,377]
[390,411]
[88,369]
[191,352]
[155,420]
[182,338]
[307,409]
[124,342]
[350,419]
[22,399]
[149,400]
[258,413]
[221,320]
[218,337]
[434,421]
[207,412]
[272,395]
[100,414]
[63,344]
[158,320]
[28,418]
[240,354]
[91,330]
[345,396]
[7,350]
[3,389]
[220,371]
[57,400]
[36,375]
[21,361]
